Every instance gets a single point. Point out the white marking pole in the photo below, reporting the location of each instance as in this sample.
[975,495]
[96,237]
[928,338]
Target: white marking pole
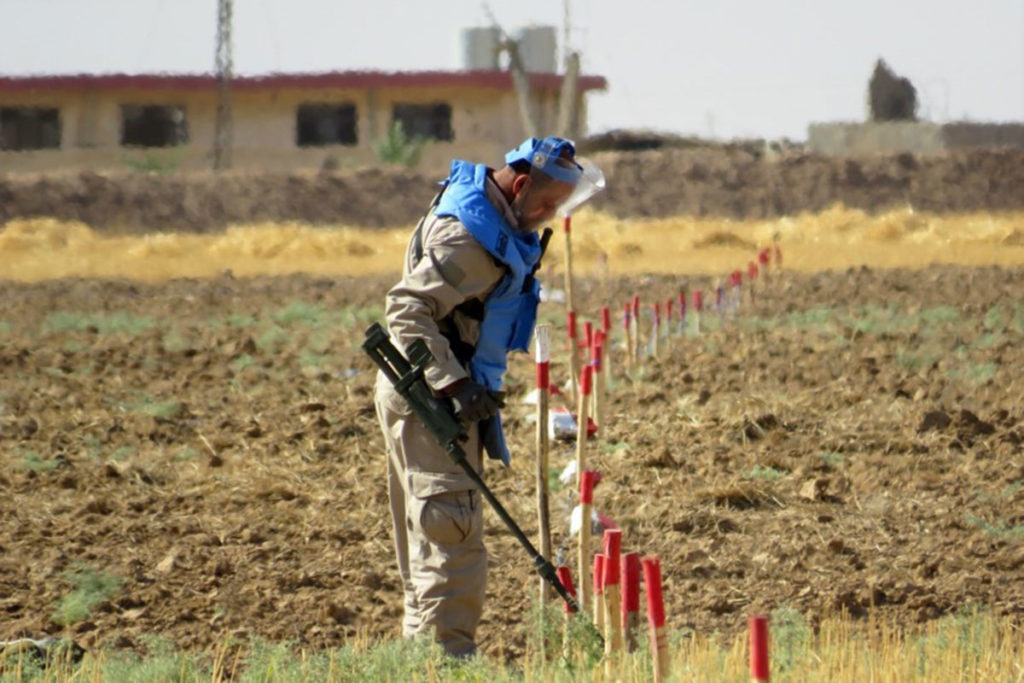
[542,336]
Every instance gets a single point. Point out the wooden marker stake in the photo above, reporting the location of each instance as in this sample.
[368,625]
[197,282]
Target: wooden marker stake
[656,618]
[668,322]
[764,258]
[586,503]
[543,355]
[627,332]
[570,307]
[682,314]
[751,278]
[630,599]
[606,327]
[636,329]
[597,360]
[759,670]
[598,585]
[574,353]
[655,327]
[612,597]
[698,309]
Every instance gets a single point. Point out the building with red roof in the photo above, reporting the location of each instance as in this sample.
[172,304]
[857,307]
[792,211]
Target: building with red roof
[280,121]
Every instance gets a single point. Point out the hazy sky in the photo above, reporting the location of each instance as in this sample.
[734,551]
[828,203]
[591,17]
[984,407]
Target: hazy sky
[711,67]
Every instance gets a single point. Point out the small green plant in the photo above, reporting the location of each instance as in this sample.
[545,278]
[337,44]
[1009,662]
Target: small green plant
[915,361]
[33,463]
[791,638]
[272,339]
[241,363]
[764,473]
[995,529]
[162,161]
[174,341]
[975,373]
[833,459]
[399,149]
[994,320]
[89,588]
[186,454]
[122,453]
[102,323]
[147,405]
[299,312]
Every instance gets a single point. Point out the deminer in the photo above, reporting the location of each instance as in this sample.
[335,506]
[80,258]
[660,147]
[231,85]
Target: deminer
[468,289]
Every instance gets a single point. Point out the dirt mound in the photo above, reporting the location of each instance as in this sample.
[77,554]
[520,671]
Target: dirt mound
[732,181]
[737,184]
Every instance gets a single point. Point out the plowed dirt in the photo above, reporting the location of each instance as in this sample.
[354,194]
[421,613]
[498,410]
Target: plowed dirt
[853,439]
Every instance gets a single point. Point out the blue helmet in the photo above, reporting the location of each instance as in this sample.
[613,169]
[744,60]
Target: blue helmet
[547,157]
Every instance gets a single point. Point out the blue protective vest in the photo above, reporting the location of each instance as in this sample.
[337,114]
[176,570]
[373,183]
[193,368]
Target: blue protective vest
[510,310]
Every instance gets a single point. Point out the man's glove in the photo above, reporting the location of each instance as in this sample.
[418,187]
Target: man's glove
[472,401]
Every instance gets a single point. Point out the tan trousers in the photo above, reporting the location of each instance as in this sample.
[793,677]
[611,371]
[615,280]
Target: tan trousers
[437,517]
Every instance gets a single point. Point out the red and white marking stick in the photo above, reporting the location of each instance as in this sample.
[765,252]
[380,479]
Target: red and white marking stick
[636,328]
[698,308]
[668,320]
[542,336]
[606,327]
[719,297]
[682,313]
[655,327]
[597,360]
[612,593]
[627,331]
[759,670]
[574,353]
[588,336]
[598,606]
[735,289]
[586,504]
[764,258]
[656,617]
[751,278]
[630,599]
[565,578]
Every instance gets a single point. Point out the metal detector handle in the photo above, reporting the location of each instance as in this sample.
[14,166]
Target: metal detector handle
[407,377]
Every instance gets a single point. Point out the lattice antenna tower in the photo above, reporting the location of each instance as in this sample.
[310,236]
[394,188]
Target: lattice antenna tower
[223,133]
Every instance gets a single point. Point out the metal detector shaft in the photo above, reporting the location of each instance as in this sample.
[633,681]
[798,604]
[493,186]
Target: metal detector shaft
[407,377]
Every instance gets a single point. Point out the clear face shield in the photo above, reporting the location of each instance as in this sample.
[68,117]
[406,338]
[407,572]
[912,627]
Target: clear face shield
[559,184]
[591,182]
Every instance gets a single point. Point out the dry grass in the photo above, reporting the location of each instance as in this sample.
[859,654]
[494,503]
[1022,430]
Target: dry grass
[39,249]
[975,647]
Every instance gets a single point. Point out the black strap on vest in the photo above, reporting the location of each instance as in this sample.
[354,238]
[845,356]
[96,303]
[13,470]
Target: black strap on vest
[471,308]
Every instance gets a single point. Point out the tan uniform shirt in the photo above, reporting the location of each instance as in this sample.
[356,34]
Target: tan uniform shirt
[454,268]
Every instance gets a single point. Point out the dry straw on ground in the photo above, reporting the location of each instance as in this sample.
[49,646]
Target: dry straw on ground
[39,249]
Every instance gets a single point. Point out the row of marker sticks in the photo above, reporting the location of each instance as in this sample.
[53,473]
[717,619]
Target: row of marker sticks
[616,577]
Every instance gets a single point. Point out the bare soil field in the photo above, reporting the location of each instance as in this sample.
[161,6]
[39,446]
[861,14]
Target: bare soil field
[852,441]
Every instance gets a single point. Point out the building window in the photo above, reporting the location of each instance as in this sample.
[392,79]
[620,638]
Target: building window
[325,124]
[24,128]
[431,121]
[153,126]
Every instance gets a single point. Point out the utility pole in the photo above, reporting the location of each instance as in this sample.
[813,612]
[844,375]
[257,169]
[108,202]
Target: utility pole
[568,111]
[223,134]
